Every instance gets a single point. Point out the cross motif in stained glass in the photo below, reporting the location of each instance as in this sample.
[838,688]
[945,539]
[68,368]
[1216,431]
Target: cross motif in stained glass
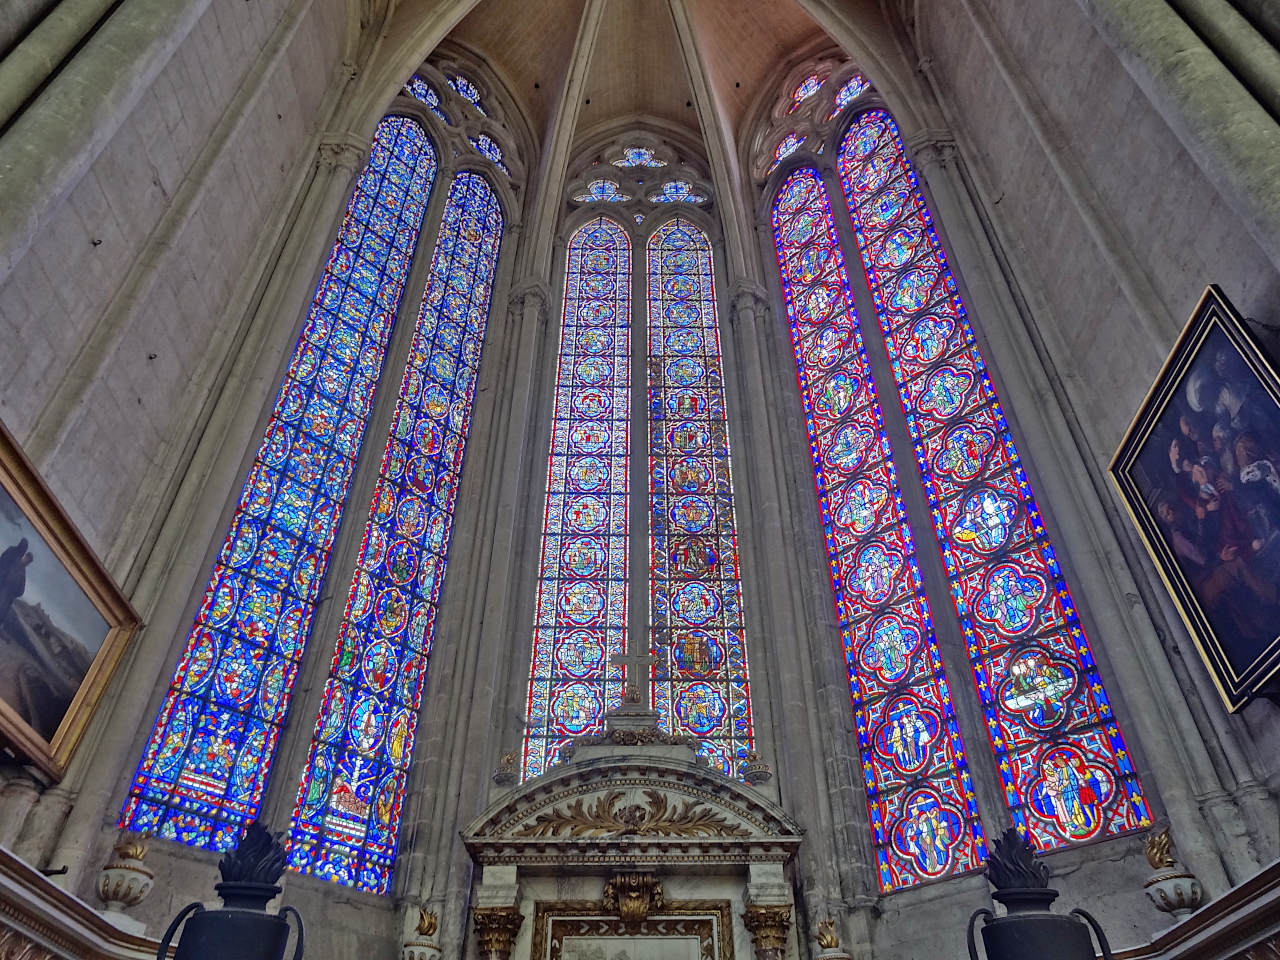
[420,89]
[677,191]
[602,191]
[849,90]
[804,90]
[639,157]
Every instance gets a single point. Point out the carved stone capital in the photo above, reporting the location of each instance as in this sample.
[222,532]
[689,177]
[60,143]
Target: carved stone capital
[748,296]
[632,896]
[342,151]
[496,929]
[531,292]
[768,925]
[932,147]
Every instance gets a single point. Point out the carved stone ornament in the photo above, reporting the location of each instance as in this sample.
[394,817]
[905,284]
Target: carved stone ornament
[1171,888]
[124,880]
[768,926]
[506,773]
[629,737]
[632,896]
[496,929]
[610,816]
[630,805]
[756,771]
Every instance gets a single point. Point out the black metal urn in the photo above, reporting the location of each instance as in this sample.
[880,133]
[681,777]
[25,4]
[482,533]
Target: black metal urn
[242,929]
[1028,930]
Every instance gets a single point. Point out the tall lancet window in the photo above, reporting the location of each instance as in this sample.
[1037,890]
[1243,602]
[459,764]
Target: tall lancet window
[352,788]
[700,682]
[581,617]
[919,794]
[205,766]
[1062,764]
[1066,773]
[627,427]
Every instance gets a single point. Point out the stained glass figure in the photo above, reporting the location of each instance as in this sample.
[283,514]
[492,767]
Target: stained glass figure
[699,682]
[602,191]
[205,766]
[677,191]
[850,89]
[924,816]
[468,91]
[348,809]
[804,90]
[581,614]
[488,148]
[639,157]
[1067,775]
[786,146]
[420,89]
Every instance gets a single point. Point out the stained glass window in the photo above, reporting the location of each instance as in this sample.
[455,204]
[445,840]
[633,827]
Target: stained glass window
[700,683]
[786,146]
[204,770]
[806,89]
[581,614]
[851,88]
[602,191]
[489,149]
[1067,775]
[639,157]
[419,89]
[349,799]
[924,815]
[468,91]
[677,191]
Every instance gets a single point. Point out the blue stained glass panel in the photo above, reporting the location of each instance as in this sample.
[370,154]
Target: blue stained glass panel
[204,769]
[581,615]
[420,89]
[347,816]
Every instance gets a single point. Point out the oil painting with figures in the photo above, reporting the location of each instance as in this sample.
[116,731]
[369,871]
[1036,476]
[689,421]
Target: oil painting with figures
[1200,473]
[63,623]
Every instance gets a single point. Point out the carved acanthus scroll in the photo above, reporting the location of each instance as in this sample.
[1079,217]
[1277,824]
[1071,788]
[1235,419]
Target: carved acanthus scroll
[610,816]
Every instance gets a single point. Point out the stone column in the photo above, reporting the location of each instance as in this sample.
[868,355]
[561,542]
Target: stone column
[18,795]
[1226,131]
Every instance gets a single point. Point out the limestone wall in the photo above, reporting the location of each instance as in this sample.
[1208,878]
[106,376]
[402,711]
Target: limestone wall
[122,310]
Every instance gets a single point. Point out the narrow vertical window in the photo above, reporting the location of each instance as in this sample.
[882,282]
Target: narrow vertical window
[700,683]
[206,764]
[581,615]
[1067,776]
[348,811]
[924,816]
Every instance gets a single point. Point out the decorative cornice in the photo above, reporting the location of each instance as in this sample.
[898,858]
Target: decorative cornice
[768,925]
[609,816]
[628,737]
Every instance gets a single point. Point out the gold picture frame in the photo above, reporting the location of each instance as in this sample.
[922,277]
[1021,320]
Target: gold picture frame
[64,624]
[1199,473]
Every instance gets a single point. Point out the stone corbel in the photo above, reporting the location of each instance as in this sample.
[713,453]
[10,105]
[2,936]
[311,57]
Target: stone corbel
[931,147]
[342,151]
[496,929]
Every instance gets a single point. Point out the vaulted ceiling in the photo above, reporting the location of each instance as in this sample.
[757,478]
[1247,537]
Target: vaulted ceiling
[636,65]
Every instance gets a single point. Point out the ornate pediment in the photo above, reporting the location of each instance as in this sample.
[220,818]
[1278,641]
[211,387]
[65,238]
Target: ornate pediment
[635,805]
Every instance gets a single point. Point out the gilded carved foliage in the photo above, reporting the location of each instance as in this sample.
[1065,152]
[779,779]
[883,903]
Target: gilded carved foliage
[632,896]
[611,816]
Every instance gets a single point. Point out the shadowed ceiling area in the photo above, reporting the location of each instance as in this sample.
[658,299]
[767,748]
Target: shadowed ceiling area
[637,68]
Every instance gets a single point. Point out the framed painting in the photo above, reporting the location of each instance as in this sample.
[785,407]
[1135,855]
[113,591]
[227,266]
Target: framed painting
[1199,471]
[63,623]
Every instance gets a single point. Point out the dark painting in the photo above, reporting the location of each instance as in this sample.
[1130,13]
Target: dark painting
[1200,471]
